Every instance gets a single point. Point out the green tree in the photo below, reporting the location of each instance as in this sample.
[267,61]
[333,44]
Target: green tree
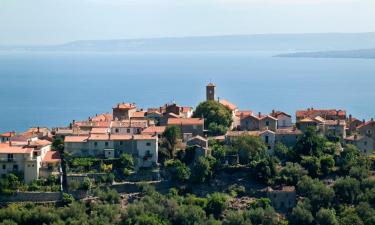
[301,214]
[310,144]
[317,192]
[178,170]
[291,174]
[216,203]
[312,165]
[350,217]
[58,145]
[327,164]
[265,170]
[282,152]
[366,213]
[249,148]
[235,218]
[326,217]
[172,134]
[347,190]
[202,170]
[217,117]
[127,161]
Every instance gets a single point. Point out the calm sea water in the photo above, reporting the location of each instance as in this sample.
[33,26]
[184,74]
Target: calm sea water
[51,89]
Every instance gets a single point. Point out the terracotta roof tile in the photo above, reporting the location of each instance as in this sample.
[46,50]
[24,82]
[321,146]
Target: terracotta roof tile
[125,106]
[52,157]
[185,121]
[154,129]
[228,104]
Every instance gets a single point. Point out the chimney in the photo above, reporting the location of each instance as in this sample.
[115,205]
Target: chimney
[350,118]
[259,114]
[363,121]
[372,119]
[273,112]
[38,129]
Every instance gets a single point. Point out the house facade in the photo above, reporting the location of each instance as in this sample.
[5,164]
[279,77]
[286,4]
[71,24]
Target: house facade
[144,148]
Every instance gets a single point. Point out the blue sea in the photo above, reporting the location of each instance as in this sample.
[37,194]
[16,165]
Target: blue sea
[51,89]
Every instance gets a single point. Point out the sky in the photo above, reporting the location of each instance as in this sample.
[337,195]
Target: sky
[41,22]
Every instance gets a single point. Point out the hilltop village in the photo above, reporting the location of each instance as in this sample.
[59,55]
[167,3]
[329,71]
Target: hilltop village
[301,167]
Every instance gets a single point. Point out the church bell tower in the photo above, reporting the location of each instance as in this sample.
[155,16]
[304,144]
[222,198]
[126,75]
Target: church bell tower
[210,92]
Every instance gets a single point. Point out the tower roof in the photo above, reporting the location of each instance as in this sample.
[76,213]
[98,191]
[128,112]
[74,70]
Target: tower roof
[211,85]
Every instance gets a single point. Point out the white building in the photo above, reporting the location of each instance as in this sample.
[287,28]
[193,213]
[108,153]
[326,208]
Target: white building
[144,148]
[33,160]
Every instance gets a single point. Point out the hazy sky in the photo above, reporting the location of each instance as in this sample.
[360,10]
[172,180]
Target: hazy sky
[59,21]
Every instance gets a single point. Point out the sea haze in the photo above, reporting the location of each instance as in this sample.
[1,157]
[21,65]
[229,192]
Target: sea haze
[51,89]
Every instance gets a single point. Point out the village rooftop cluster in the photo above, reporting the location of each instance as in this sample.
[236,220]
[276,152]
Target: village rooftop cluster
[137,132]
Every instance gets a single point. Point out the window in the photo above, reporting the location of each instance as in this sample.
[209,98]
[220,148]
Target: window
[121,142]
[106,143]
[148,144]
[267,123]
[116,130]
[10,156]
[368,131]
[4,167]
[127,130]
[365,143]
[15,167]
[266,139]
[269,147]
[95,143]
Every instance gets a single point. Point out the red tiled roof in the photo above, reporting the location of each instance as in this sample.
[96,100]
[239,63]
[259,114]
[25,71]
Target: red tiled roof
[52,157]
[243,114]
[76,138]
[40,143]
[5,148]
[139,114]
[185,121]
[278,113]
[320,112]
[228,104]
[125,106]
[102,117]
[7,134]
[99,130]
[154,129]
[370,122]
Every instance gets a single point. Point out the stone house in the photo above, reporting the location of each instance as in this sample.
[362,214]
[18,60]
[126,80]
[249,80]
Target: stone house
[123,111]
[352,123]
[198,140]
[5,137]
[364,143]
[193,126]
[288,136]
[282,199]
[367,129]
[33,159]
[144,148]
[259,122]
[284,120]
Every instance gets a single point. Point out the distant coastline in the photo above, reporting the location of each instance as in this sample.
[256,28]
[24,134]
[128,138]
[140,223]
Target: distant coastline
[257,42]
[360,54]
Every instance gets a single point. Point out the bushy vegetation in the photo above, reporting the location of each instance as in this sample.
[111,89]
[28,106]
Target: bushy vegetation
[217,117]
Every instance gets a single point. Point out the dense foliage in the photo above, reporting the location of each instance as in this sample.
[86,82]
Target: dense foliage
[217,117]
